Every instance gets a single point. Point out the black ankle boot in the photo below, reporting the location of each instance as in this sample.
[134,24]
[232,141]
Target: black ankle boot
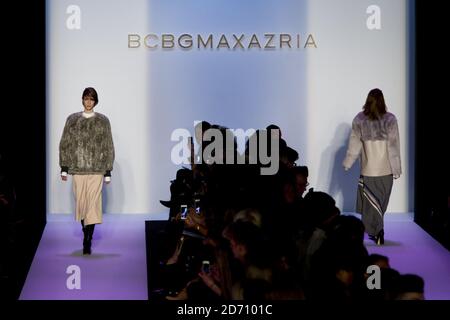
[85,237]
[86,246]
[87,241]
[380,238]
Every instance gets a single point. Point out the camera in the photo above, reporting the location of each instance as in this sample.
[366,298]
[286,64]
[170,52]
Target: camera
[205,266]
[184,211]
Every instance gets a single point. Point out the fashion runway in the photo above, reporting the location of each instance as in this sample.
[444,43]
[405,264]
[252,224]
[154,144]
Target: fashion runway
[412,250]
[116,270]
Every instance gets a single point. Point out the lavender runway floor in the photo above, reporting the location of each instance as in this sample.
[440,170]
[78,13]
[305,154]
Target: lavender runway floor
[412,250]
[117,267]
[115,270]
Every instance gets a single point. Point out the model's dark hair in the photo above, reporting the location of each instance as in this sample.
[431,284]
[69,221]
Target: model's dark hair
[375,106]
[90,92]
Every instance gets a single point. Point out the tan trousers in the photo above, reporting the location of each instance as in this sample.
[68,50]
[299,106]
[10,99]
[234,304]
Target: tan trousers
[88,198]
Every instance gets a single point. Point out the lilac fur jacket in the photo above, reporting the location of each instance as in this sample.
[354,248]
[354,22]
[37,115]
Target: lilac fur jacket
[377,143]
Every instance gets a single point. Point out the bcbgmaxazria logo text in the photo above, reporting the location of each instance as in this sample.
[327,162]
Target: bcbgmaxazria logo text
[266,41]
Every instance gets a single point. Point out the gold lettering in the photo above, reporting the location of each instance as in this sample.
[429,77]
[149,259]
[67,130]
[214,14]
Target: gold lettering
[146,41]
[200,41]
[168,38]
[238,41]
[187,44]
[270,35]
[223,42]
[287,41]
[132,39]
[312,42]
[186,41]
[254,42]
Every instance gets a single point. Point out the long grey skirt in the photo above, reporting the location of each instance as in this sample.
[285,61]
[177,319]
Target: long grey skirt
[372,201]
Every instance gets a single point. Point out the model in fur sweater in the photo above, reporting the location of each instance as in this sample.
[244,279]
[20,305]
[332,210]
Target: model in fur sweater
[86,151]
[375,139]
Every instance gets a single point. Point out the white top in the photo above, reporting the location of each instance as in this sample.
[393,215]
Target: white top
[88,115]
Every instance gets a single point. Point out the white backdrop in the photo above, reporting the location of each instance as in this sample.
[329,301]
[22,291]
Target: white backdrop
[312,94]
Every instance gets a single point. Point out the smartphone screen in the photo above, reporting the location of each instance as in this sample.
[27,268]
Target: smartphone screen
[205,266]
[197,206]
[184,211]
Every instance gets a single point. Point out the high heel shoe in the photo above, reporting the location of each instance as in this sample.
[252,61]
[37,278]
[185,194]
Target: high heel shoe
[378,239]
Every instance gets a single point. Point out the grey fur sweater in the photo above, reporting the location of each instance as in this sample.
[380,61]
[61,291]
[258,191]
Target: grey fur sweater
[86,145]
[377,143]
